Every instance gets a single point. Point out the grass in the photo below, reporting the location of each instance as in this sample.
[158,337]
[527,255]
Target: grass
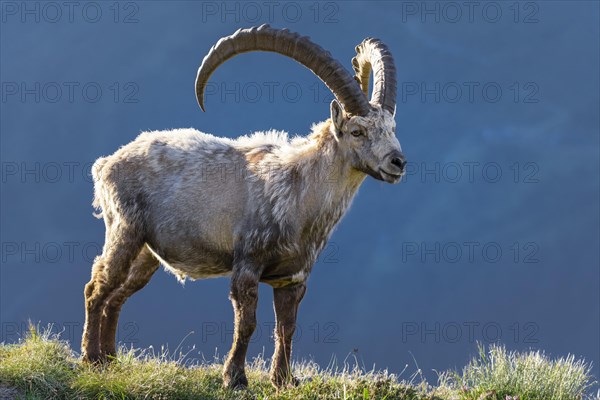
[41,366]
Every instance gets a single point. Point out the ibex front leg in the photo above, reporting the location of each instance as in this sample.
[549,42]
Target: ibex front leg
[244,296]
[285,301]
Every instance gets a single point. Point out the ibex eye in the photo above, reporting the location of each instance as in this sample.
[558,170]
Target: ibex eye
[356,132]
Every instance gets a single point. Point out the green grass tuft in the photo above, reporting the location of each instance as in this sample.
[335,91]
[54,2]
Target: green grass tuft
[501,374]
[42,366]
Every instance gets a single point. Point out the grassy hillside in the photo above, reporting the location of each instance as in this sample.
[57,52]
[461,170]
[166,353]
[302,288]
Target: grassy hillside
[44,367]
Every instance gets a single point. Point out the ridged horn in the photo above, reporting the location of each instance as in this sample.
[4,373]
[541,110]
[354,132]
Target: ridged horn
[300,48]
[374,54]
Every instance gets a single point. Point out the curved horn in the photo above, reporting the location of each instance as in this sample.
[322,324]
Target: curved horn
[373,53]
[300,48]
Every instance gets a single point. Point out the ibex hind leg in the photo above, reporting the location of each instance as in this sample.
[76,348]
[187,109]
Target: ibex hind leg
[140,273]
[123,244]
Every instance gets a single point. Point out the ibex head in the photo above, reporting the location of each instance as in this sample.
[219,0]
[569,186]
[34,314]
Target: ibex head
[364,130]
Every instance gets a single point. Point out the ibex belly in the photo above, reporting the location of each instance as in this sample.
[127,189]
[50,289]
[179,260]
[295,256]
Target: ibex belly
[194,259]
[207,262]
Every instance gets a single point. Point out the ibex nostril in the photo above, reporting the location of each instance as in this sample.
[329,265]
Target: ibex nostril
[399,162]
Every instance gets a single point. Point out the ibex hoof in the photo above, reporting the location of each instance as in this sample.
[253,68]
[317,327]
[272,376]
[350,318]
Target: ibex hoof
[98,358]
[234,378]
[92,358]
[281,382]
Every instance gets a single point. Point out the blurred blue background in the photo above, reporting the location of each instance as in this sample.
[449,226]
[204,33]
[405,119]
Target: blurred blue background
[492,237]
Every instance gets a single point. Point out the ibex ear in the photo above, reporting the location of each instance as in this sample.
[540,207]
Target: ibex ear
[337,115]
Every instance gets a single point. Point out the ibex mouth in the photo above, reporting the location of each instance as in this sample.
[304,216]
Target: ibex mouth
[389,177]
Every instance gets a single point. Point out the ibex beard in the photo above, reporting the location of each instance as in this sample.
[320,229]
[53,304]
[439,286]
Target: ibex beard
[162,204]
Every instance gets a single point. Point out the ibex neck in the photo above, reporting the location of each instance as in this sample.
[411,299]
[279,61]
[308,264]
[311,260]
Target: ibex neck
[333,181]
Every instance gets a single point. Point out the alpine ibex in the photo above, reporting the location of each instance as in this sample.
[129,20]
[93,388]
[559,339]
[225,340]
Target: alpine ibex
[162,204]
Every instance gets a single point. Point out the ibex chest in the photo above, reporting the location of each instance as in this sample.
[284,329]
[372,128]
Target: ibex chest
[294,256]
